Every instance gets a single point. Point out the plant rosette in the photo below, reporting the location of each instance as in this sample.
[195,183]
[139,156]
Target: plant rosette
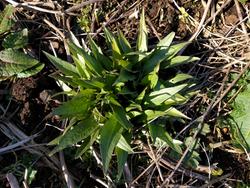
[118,96]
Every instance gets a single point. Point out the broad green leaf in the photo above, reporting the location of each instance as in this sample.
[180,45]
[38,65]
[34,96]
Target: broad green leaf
[6,21]
[120,115]
[159,96]
[175,99]
[174,49]
[123,144]
[152,115]
[64,66]
[126,48]
[110,135]
[76,134]
[179,78]
[240,123]
[152,78]
[78,105]
[142,40]
[157,131]
[121,160]
[16,40]
[64,79]
[166,42]
[90,61]
[86,144]
[154,59]
[179,60]
[17,63]
[91,84]
[169,90]
[175,113]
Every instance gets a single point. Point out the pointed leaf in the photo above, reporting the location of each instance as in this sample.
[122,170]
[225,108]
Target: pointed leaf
[78,105]
[112,42]
[86,144]
[123,144]
[121,160]
[179,78]
[90,61]
[142,41]
[98,54]
[179,60]
[176,113]
[110,135]
[121,117]
[166,42]
[126,48]
[157,131]
[158,97]
[65,67]
[77,133]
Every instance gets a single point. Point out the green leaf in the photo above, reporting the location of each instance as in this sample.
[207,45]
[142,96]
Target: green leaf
[16,63]
[110,135]
[179,60]
[98,54]
[152,78]
[159,96]
[16,40]
[142,40]
[121,116]
[123,144]
[175,113]
[86,144]
[121,160]
[124,77]
[113,44]
[166,42]
[77,133]
[78,105]
[179,78]
[6,21]
[93,83]
[174,49]
[64,66]
[240,123]
[78,59]
[152,115]
[125,46]
[157,131]
[90,61]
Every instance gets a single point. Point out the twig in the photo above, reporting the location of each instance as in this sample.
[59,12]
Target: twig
[12,180]
[31,7]
[79,6]
[243,26]
[67,176]
[201,24]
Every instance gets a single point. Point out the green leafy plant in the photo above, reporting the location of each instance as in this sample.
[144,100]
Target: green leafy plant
[120,96]
[239,120]
[14,62]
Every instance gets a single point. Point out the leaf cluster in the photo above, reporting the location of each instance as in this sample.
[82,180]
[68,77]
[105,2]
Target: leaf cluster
[115,96]
[14,62]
